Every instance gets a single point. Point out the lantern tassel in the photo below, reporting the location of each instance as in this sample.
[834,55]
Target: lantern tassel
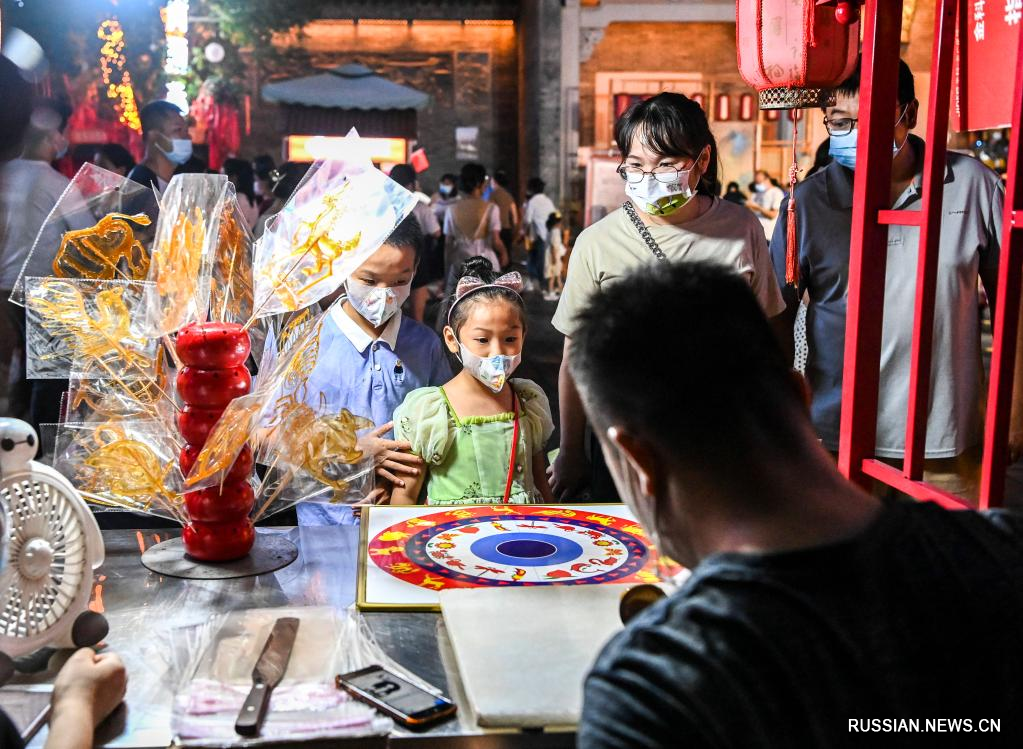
[791,249]
[808,14]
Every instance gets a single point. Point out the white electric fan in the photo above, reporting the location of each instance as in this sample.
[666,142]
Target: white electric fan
[53,545]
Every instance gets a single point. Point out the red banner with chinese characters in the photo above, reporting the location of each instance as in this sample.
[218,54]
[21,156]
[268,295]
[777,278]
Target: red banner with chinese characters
[986,42]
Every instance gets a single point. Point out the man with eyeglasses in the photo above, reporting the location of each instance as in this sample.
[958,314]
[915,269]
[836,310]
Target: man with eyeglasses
[970,240]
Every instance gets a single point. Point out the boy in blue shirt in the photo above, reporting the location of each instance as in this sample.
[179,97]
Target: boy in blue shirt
[372,356]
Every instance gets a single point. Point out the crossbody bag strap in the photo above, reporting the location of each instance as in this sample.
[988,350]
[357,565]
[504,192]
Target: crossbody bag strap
[514,449]
[644,232]
[480,230]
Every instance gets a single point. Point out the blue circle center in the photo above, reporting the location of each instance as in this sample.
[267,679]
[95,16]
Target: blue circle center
[527,549]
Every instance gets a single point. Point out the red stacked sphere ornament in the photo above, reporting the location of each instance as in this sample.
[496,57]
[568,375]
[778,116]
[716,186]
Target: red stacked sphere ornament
[213,374]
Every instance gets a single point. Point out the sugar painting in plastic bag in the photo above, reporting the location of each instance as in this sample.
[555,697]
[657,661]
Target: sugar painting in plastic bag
[100,228]
[87,328]
[337,217]
[181,258]
[126,464]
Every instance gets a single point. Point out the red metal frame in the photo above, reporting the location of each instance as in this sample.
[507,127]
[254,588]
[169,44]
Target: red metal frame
[868,255]
[868,247]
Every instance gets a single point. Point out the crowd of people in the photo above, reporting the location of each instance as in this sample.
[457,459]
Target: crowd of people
[677,396]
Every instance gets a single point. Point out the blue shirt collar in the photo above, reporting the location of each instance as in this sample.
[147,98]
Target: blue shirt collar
[358,337]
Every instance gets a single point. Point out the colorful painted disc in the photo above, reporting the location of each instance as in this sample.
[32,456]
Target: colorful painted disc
[496,546]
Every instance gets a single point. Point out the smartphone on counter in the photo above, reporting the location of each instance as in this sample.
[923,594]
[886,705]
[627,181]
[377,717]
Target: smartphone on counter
[392,695]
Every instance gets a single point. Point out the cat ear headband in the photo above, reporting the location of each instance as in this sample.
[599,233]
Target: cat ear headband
[469,285]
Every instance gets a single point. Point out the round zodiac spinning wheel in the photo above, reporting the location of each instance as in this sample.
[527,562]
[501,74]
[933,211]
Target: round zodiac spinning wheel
[506,546]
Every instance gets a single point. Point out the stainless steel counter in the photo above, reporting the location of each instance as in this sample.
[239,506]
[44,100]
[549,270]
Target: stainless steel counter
[140,605]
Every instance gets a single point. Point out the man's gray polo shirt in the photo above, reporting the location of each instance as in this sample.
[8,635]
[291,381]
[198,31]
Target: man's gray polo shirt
[971,228]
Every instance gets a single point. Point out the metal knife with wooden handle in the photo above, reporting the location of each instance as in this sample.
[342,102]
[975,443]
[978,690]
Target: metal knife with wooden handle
[269,670]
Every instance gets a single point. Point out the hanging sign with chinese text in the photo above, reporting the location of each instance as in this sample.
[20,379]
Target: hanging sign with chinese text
[986,36]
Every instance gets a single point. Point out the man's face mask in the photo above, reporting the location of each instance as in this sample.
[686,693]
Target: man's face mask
[377,304]
[179,152]
[843,147]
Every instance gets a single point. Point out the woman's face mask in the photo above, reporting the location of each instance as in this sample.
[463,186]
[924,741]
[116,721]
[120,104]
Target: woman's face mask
[662,194]
[660,198]
[377,304]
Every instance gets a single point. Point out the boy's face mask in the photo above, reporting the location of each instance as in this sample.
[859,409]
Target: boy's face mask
[493,371]
[377,304]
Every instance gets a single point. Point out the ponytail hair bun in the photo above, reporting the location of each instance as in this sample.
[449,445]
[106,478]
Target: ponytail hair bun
[479,267]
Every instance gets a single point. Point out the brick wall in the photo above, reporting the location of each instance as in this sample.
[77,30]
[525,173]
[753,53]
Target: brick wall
[470,71]
[669,47]
[707,48]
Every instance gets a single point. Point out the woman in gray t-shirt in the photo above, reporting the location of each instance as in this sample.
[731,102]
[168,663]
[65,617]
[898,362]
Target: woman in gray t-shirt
[673,214]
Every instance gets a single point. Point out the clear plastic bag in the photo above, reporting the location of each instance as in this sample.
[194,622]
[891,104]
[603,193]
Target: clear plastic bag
[151,396]
[311,448]
[338,216]
[87,328]
[181,257]
[212,665]
[231,293]
[99,229]
[127,465]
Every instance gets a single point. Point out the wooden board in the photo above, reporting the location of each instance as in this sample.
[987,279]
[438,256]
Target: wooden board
[523,653]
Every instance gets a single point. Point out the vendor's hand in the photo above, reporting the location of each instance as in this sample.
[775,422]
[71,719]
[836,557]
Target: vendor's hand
[90,682]
[565,475]
[392,458]
[379,496]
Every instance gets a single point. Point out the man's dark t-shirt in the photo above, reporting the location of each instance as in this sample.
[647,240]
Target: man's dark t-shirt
[144,176]
[10,738]
[919,616]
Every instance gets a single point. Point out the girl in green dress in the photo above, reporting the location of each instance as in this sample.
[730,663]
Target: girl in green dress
[482,435]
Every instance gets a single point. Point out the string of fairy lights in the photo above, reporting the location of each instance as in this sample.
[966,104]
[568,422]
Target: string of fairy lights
[116,77]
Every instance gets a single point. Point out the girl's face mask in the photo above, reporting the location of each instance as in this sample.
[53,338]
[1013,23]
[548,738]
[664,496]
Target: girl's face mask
[492,371]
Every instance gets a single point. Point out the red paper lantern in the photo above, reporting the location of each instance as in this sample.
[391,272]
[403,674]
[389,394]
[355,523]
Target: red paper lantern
[795,52]
[699,99]
[722,108]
